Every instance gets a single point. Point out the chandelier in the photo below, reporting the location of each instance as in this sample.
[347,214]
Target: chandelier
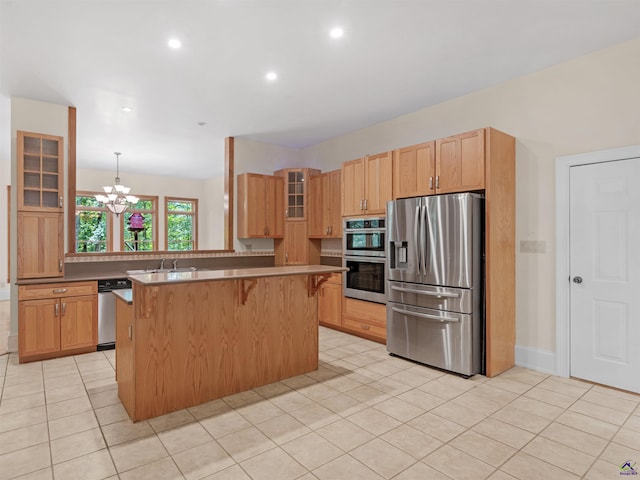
[117,198]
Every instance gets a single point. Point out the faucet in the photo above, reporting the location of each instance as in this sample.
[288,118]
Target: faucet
[175,264]
[162,264]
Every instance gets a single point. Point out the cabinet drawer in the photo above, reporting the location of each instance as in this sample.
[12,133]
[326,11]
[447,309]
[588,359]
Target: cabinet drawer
[365,327]
[55,290]
[374,314]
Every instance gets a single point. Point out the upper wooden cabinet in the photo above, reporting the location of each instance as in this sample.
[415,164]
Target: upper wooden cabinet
[460,162]
[40,245]
[296,192]
[260,206]
[414,171]
[40,172]
[325,216]
[367,185]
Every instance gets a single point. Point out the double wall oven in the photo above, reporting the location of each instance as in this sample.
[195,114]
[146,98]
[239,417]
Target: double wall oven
[366,258]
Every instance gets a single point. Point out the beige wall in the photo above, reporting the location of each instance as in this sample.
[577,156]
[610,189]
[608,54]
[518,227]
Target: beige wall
[208,192]
[587,104]
[5,180]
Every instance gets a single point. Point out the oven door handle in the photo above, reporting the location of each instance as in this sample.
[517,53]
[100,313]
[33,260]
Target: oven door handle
[426,315]
[422,292]
[366,259]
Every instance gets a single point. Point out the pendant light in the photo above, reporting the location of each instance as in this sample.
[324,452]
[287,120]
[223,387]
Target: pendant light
[117,198]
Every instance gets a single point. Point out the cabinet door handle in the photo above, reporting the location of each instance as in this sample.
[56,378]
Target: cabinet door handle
[60,202]
[60,265]
[130,331]
[364,326]
[365,204]
[64,309]
[286,257]
[330,229]
[56,310]
[286,213]
[361,202]
[437,181]
[430,183]
[60,290]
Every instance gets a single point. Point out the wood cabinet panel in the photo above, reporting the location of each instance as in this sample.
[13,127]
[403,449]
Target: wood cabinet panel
[367,185]
[414,171]
[260,206]
[352,187]
[378,184]
[460,162]
[78,322]
[125,371]
[195,342]
[330,301]
[316,215]
[325,215]
[53,320]
[365,318]
[40,245]
[39,327]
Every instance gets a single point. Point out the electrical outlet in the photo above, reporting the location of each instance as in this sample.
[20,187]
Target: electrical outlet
[248,246]
[533,246]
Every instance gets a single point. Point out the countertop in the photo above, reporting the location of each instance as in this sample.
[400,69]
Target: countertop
[231,274]
[125,295]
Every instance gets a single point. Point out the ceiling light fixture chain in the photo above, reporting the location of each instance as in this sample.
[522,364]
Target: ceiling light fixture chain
[117,198]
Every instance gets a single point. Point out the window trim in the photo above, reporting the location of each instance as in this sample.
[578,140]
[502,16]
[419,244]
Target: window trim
[193,213]
[77,209]
[154,224]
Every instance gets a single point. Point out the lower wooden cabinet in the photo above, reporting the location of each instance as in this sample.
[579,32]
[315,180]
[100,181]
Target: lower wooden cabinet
[364,319]
[330,302]
[367,319]
[57,319]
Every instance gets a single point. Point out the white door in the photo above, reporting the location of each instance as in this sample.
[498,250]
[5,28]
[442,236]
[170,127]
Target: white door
[605,273]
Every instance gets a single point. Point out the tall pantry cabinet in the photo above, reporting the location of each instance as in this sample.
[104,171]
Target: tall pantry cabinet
[40,160]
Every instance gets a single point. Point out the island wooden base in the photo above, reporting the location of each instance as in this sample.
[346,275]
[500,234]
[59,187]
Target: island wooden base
[190,343]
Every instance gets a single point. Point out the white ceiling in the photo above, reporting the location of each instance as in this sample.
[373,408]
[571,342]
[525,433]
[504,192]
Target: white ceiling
[396,56]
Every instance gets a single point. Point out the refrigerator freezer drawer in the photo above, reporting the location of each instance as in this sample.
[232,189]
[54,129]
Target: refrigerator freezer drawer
[451,341]
[429,296]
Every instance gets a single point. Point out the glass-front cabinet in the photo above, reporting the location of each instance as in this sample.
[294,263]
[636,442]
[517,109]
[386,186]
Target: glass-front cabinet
[295,184]
[40,172]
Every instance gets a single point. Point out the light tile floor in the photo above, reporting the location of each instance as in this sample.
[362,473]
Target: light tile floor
[361,415]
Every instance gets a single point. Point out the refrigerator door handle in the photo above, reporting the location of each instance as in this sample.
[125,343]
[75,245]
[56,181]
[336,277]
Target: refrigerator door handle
[426,315]
[422,292]
[416,232]
[423,239]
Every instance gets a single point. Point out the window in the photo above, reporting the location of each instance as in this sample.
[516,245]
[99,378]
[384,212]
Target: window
[181,223]
[93,224]
[140,235]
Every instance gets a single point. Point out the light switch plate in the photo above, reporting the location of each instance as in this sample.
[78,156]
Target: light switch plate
[533,246]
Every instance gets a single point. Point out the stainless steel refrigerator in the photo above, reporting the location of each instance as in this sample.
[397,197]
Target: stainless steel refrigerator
[435,295]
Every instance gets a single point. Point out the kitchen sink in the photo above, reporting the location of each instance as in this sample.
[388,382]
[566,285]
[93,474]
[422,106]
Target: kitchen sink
[162,270]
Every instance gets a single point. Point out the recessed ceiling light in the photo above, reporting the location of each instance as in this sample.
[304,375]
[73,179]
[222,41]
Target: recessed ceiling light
[174,43]
[202,124]
[271,76]
[336,32]
[127,109]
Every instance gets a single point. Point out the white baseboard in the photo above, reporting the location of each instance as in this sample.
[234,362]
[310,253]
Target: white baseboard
[536,359]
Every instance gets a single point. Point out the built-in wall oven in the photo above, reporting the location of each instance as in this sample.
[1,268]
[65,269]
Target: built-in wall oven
[366,258]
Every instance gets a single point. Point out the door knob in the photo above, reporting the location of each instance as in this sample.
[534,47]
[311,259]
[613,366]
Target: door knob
[577,279]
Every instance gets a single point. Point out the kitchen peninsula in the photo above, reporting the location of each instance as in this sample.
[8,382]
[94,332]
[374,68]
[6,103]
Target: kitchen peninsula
[185,338]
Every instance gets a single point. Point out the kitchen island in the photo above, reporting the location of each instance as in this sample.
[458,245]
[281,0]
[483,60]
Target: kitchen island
[185,338]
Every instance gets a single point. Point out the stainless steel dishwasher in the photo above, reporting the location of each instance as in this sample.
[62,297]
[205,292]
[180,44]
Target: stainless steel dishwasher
[107,311]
